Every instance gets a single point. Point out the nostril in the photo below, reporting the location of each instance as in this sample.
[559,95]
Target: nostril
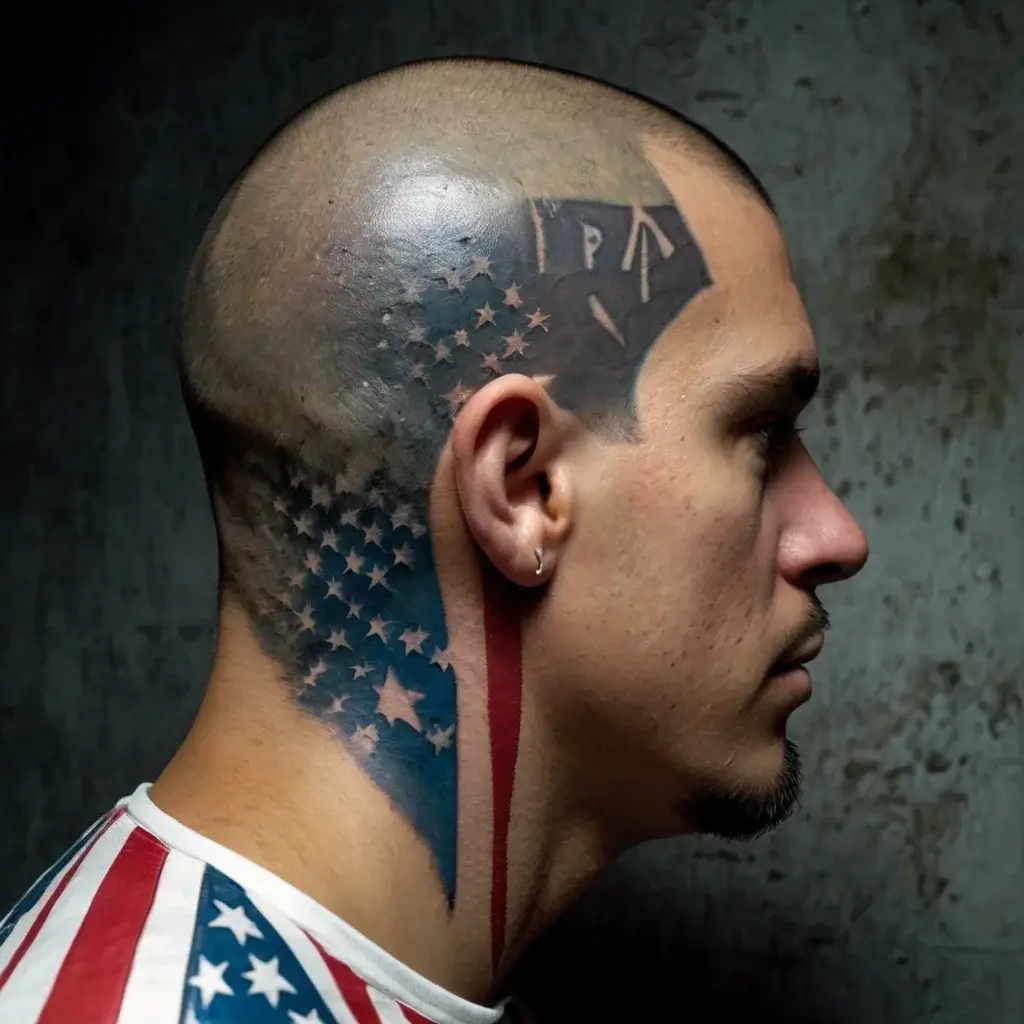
[829,572]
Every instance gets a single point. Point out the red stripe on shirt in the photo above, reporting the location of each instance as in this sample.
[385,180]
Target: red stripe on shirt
[91,981]
[352,987]
[44,913]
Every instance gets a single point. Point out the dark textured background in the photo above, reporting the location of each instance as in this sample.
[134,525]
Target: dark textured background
[890,133]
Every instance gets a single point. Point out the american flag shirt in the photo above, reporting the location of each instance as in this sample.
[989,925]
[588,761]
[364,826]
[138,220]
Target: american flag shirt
[145,921]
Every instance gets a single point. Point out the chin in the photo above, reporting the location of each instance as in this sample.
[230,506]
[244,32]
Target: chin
[749,808]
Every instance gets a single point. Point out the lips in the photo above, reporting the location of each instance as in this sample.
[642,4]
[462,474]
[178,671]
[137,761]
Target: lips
[806,652]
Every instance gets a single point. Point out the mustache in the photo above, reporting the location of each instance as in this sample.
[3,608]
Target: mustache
[818,621]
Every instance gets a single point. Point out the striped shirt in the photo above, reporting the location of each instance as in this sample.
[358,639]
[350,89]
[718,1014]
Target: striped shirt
[145,921]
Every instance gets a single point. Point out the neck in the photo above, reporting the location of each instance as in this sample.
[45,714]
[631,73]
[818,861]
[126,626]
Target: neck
[304,808]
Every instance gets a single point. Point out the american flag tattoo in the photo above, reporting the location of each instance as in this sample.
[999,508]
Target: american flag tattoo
[574,293]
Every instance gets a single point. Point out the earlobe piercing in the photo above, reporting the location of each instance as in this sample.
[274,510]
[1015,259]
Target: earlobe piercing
[538,553]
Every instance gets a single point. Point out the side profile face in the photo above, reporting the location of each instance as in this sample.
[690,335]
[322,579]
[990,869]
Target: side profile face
[418,352]
[697,549]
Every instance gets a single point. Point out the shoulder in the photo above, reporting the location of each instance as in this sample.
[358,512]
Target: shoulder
[124,928]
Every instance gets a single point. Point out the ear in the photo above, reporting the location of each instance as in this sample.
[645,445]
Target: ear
[510,451]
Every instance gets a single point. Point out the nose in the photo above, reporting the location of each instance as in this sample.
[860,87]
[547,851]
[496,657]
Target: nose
[822,542]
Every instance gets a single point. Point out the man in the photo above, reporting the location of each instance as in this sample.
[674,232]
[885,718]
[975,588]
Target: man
[494,373]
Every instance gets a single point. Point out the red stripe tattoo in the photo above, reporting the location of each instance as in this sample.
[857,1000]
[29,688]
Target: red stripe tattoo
[504,708]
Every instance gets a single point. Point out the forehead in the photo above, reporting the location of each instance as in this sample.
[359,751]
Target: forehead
[752,318]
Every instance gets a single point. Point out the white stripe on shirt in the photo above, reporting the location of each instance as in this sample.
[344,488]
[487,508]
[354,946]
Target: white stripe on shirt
[387,1008]
[18,932]
[156,982]
[28,988]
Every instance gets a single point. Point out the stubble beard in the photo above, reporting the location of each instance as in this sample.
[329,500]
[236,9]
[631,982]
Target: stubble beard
[745,813]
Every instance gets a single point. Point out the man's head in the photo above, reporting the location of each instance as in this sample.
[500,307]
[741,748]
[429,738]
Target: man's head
[475,321]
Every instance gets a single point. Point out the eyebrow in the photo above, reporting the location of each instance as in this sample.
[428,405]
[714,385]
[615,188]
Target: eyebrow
[789,384]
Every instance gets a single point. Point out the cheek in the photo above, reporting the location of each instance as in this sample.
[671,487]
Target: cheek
[701,534]
[660,607]
[664,567]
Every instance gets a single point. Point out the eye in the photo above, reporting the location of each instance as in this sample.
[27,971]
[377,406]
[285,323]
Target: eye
[774,439]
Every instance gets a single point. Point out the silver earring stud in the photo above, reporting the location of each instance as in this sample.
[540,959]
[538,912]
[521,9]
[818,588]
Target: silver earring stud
[538,553]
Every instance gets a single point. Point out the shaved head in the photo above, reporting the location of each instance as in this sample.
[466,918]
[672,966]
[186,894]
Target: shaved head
[379,192]
[304,314]
[461,242]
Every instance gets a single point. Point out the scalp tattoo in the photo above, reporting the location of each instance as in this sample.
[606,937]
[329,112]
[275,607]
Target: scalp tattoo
[574,293]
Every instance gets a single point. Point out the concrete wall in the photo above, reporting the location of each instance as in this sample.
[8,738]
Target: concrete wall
[890,134]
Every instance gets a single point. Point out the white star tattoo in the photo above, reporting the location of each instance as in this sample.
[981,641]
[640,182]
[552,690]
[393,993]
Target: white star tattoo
[337,704]
[366,738]
[404,555]
[372,535]
[485,315]
[482,267]
[457,398]
[395,702]
[329,539]
[313,674]
[413,640]
[512,296]
[377,575]
[306,620]
[515,344]
[322,495]
[441,738]
[267,980]
[416,335]
[418,372]
[492,363]
[210,981]
[296,577]
[441,657]
[537,319]
[361,671]
[334,590]
[451,278]
[401,516]
[236,921]
[462,337]
[312,562]
[280,505]
[353,610]
[442,353]
[337,639]
[303,523]
[353,561]
[378,628]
